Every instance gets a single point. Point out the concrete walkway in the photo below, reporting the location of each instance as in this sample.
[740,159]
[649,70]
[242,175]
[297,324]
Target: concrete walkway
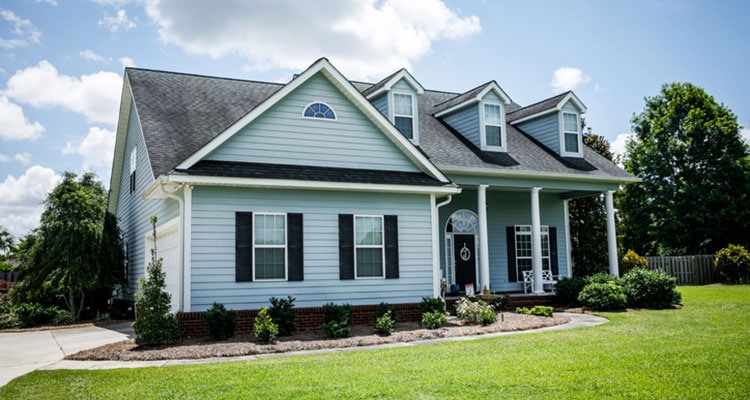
[576,321]
[23,352]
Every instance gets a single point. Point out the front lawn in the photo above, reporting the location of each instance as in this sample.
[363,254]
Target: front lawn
[699,352]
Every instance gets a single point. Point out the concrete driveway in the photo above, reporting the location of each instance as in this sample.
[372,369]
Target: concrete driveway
[23,352]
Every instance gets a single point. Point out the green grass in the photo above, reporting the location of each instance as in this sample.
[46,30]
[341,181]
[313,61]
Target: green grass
[699,352]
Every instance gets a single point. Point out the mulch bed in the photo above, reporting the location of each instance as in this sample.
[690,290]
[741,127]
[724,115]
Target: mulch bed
[243,345]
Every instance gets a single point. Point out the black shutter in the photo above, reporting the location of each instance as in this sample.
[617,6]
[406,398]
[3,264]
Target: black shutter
[553,250]
[295,254]
[510,233]
[346,246]
[391,246]
[243,247]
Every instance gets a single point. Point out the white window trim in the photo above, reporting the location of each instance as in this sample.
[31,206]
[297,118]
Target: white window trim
[272,246]
[544,231]
[483,131]
[335,115]
[563,150]
[368,246]
[133,160]
[414,110]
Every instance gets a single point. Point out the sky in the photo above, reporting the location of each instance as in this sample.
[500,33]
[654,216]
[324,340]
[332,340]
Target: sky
[62,62]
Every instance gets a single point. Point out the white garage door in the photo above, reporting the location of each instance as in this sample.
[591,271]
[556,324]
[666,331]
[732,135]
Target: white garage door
[168,248]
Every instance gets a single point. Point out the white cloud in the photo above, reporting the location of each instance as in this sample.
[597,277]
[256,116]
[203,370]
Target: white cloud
[366,39]
[50,2]
[745,133]
[14,125]
[618,146]
[24,32]
[21,204]
[24,158]
[90,55]
[568,78]
[97,149]
[126,62]
[118,22]
[96,96]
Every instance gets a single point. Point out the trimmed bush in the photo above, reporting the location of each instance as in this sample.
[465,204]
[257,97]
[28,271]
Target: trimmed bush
[221,323]
[433,319]
[475,311]
[603,296]
[603,277]
[384,324]
[542,311]
[650,289]
[387,308]
[568,289]
[501,302]
[432,304]
[336,320]
[732,263]
[632,260]
[284,315]
[263,327]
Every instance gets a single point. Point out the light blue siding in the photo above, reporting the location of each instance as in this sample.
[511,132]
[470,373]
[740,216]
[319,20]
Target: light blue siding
[282,136]
[466,122]
[545,129]
[403,86]
[381,103]
[492,97]
[507,209]
[213,247]
[570,107]
[132,211]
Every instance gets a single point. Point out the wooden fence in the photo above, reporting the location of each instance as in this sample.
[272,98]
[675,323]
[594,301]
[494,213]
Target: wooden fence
[689,270]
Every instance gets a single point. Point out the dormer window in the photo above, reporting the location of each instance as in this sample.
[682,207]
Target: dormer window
[571,134]
[320,111]
[493,132]
[403,114]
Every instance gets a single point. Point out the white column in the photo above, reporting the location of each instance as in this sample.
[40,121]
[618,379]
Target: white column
[568,247]
[435,248]
[484,248]
[614,268]
[536,241]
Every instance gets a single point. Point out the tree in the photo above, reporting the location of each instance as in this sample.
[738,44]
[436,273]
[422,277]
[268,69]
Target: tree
[6,249]
[694,165]
[71,256]
[588,222]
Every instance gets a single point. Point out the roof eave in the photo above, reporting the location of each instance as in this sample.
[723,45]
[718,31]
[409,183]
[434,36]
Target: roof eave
[457,170]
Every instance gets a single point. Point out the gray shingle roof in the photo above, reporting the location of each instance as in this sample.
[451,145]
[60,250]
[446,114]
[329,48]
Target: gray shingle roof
[536,108]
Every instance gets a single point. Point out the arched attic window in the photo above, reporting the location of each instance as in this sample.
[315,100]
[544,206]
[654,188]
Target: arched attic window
[319,110]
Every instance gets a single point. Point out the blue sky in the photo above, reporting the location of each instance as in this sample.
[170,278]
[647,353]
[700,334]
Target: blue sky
[61,62]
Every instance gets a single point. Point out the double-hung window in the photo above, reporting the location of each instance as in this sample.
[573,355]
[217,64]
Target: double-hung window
[369,248]
[269,246]
[571,133]
[403,114]
[524,249]
[133,167]
[493,132]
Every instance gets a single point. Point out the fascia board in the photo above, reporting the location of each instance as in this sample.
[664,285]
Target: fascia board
[540,175]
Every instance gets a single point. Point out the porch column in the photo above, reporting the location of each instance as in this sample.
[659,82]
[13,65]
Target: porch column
[536,241]
[614,268]
[484,248]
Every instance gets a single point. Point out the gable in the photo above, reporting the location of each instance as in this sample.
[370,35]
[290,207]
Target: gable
[281,136]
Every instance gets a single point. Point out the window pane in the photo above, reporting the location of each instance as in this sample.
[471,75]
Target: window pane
[269,263]
[493,135]
[270,229]
[571,143]
[492,114]
[523,245]
[404,125]
[402,104]
[369,231]
[370,262]
[319,110]
[570,122]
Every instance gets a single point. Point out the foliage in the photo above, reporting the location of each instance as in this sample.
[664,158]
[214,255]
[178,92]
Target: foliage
[475,311]
[500,302]
[650,289]
[732,263]
[284,314]
[5,286]
[336,320]
[588,222]
[384,324]
[568,289]
[542,311]
[432,304]
[154,324]
[603,277]
[632,260]
[433,319]
[695,171]
[33,314]
[263,327]
[384,307]
[603,296]
[6,243]
[76,253]
[63,317]
[221,323]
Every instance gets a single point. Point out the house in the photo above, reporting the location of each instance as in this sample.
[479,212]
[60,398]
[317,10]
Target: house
[330,190]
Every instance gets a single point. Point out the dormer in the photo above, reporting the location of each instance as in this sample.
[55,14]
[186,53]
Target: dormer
[554,122]
[479,116]
[396,97]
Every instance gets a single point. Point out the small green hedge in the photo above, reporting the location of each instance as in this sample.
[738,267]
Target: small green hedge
[650,289]
[603,296]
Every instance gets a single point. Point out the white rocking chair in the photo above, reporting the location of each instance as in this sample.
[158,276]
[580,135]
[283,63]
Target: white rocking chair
[528,280]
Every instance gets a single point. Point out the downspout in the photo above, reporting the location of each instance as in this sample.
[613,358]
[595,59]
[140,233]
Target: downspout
[181,229]
[436,243]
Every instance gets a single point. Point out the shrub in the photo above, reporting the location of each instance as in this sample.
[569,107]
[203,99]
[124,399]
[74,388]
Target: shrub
[433,319]
[475,311]
[650,289]
[5,285]
[602,277]
[488,316]
[732,263]
[263,327]
[603,296]
[387,308]
[384,324]
[63,317]
[336,329]
[501,302]
[33,314]
[284,314]
[542,311]
[336,320]
[221,323]
[568,289]
[632,260]
[432,304]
